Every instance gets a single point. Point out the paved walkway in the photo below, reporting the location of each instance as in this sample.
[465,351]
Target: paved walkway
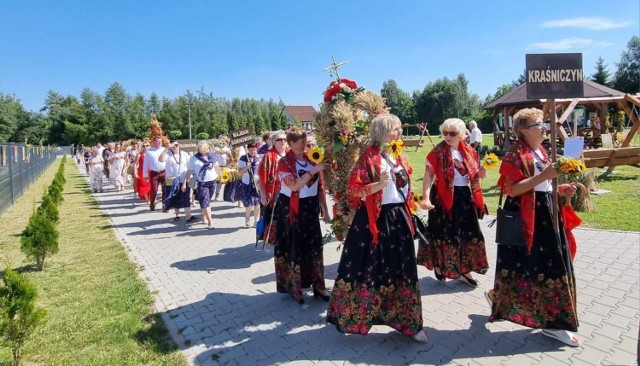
[216,293]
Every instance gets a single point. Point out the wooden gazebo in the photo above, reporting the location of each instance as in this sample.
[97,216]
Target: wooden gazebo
[596,96]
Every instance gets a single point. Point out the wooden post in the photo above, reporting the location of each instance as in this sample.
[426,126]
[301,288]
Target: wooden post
[554,158]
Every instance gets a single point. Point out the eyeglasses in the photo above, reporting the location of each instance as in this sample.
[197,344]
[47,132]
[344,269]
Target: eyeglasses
[311,145]
[145,145]
[280,140]
[449,133]
[538,124]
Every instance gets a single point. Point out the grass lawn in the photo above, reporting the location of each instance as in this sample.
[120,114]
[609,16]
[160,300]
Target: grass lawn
[618,210]
[99,310]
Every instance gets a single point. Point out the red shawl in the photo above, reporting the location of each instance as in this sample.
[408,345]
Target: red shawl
[267,172]
[366,172]
[518,164]
[442,162]
[288,165]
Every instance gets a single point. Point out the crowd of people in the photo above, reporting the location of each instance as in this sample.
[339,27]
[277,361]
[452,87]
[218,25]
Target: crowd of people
[377,279]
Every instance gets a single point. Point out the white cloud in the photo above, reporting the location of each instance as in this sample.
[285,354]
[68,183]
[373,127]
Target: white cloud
[593,23]
[566,44]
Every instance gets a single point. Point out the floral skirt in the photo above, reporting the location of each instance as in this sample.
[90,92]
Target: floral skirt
[536,289]
[377,285]
[298,256]
[456,244]
[249,195]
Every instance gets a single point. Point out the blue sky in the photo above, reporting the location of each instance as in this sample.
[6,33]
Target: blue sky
[277,49]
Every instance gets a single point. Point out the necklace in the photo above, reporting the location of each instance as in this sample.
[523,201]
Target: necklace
[177,160]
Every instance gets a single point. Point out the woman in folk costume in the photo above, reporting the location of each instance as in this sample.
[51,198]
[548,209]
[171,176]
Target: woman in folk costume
[248,169]
[377,281]
[534,284]
[298,249]
[456,245]
[118,167]
[143,187]
[269,182]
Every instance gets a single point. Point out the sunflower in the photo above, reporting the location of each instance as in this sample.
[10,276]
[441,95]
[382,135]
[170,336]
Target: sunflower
[415,198]
[316,155]
[395,148]
[490,161]
[225,176]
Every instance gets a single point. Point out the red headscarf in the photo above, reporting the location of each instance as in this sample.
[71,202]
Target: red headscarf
[442,162]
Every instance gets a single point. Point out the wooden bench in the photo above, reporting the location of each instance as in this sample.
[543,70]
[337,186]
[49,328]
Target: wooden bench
[413,143]
[600,158]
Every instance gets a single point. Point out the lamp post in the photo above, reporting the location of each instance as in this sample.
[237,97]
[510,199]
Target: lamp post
[189,108]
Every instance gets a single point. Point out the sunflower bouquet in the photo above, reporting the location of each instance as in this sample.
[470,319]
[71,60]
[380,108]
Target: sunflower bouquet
[342,127]
[228,176]
[570,167]
[490,161]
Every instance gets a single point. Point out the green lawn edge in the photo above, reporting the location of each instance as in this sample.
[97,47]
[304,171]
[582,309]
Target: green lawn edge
[100,311]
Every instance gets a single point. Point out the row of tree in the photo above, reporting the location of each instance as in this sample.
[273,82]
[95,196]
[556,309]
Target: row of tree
[19,316]
[445,98]
[117,115]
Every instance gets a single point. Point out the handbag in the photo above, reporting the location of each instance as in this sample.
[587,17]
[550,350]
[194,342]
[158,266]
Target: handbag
[508,226]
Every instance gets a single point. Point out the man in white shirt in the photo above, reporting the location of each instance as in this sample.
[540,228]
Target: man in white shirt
[476,137]
[153,170]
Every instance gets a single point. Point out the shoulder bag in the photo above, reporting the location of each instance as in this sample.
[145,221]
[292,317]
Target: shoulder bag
[508,226]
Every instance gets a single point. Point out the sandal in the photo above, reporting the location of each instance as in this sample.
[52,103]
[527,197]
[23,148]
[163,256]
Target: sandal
[563,336]
[177,218]
[192,219]
[469,281]
[420,337]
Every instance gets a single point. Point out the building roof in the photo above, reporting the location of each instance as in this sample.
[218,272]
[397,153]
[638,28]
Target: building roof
[304,113]
[518,96]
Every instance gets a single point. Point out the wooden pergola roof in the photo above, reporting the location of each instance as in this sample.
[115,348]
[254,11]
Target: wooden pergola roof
[592,92]
[595,95]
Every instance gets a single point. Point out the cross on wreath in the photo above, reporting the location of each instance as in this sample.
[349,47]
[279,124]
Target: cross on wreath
[333,69]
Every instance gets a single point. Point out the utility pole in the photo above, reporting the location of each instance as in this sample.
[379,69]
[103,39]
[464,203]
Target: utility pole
[189,107]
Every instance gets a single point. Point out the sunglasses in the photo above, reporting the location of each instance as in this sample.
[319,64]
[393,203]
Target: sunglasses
[539,125]
[280,140]
[449,133]
[145,145]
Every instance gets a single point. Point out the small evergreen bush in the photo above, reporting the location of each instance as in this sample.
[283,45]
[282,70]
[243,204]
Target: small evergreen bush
[55,192]
[49,209]
[18,315]
[39,239]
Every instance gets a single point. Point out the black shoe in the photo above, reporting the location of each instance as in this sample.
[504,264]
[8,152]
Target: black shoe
[193,218]
[468,280]
[318,293]
[439,276]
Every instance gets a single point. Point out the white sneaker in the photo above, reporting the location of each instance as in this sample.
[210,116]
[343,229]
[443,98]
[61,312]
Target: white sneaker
[247,223]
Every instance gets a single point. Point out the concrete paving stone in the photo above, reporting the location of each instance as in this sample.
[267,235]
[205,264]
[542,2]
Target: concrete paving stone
[616,319]
[608,301]
[611,331]
[628,343]
[520,360]
[591,355]
[624,286]
[620,357]
[600,309]
[601,342]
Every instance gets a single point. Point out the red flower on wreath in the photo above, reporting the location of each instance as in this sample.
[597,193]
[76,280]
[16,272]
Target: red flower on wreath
[336,87]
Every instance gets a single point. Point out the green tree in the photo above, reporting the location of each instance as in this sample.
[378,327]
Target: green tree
[202,136]
[39,239]
[601,75]
[49,209]
[11,113]
[399,101]
[627,77]
[19,316]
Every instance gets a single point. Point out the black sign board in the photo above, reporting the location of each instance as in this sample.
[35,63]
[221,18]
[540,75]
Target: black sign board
[554,75]
[241,136]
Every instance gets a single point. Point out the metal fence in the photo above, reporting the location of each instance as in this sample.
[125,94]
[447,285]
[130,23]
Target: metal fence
[21,165]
